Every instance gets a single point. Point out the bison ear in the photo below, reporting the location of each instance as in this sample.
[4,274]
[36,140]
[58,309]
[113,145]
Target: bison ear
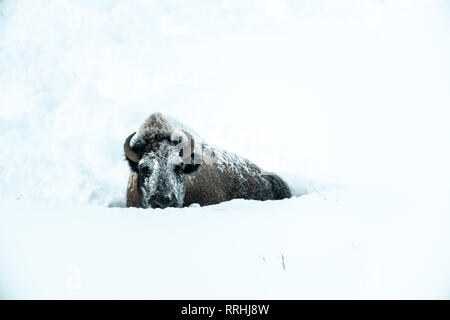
[189,168]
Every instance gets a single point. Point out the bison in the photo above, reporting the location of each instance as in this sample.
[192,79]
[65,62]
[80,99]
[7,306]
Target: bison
[173,167]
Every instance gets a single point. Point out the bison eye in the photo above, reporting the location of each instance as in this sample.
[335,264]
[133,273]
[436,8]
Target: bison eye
[145,171]
[178,169]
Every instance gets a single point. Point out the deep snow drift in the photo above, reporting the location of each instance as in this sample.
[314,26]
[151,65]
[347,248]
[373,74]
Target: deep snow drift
[347,100]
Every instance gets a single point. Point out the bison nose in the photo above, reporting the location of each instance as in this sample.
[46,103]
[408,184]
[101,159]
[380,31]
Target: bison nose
[163,202]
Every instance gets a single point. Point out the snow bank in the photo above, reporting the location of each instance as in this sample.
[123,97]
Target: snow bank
[348,246]
[349,97]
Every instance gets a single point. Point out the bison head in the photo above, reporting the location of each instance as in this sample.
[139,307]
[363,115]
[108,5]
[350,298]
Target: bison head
[161,162]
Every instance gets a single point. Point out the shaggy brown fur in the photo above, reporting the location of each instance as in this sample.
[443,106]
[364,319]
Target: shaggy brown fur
[134,198]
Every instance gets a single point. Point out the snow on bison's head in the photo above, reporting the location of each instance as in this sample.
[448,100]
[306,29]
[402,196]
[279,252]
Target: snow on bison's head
[160,156]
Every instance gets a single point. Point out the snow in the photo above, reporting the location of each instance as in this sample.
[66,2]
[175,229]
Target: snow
[348,101]
[334,248]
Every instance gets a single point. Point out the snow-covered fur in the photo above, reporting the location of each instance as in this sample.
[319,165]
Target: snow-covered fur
[177,168]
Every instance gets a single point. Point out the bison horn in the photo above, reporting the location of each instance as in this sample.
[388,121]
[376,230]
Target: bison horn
[128,152]
[188,156]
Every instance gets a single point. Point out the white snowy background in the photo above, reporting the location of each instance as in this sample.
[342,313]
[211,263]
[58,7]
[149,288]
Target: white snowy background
[347,100]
